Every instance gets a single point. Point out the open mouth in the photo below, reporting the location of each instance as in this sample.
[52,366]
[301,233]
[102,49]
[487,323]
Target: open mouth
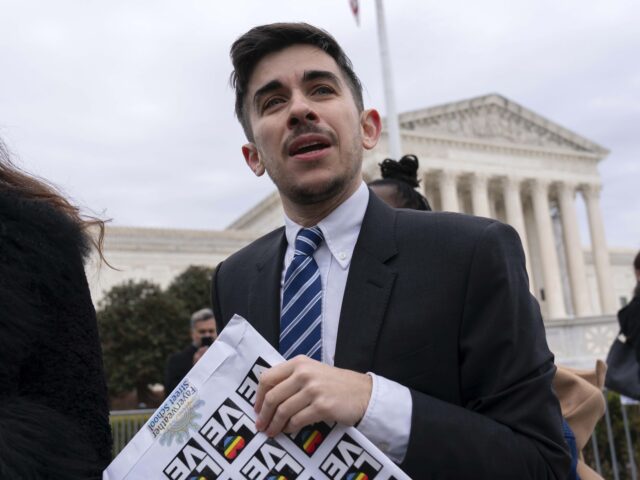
[308,147]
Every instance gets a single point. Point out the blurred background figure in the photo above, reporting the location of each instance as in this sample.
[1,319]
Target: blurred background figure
[398,184]
[54,418]
[629,316]
[203,333]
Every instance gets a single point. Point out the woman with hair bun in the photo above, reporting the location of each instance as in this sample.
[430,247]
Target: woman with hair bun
[398,184]
[54,418]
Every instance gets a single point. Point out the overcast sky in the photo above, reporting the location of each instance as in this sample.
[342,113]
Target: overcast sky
[126,104]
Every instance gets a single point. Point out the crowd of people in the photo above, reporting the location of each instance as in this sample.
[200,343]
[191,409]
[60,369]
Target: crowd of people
[416,328]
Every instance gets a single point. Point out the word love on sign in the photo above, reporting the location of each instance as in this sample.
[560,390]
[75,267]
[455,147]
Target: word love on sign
[206,429]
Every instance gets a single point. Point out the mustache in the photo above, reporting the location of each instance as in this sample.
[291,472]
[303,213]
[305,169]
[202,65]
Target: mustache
[305,128]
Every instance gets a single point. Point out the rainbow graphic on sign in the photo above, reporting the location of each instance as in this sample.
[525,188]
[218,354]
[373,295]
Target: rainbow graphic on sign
[201,477]
[277,477]
[232,446]
[311,441]
[357,476]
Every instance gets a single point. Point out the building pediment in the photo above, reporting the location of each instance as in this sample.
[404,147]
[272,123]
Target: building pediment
[496,118]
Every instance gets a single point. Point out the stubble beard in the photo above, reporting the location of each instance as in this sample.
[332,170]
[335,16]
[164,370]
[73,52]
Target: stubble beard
[323,192]
[313,195]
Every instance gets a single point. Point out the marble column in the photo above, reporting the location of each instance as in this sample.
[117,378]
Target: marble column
[427,189]
[480,195]
[548,254]
[599,249]
[449,191]
[515,217]
[573,250]
[423,185]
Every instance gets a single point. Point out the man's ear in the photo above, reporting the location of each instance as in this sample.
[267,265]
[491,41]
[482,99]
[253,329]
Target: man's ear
[252,157]
[371,127]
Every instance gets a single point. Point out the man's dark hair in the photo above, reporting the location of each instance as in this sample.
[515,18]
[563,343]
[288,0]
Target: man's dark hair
[253,46]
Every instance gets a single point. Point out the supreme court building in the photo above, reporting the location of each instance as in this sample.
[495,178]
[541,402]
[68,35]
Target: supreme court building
[486,156]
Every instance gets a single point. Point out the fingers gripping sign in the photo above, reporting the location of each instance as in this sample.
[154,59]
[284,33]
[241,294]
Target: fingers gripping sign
[302,391]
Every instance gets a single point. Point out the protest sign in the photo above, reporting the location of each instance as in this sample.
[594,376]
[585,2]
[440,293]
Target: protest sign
[205,429]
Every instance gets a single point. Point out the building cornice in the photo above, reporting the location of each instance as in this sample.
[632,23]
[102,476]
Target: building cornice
[138,239]
[493,146]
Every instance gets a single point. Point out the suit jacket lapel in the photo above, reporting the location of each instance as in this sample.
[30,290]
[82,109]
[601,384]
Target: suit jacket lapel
[264,300]
[368,288]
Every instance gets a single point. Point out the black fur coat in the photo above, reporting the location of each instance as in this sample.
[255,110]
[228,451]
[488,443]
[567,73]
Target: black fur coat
[54,418]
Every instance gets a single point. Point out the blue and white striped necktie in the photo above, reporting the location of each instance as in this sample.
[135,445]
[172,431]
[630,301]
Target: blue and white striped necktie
[301,316]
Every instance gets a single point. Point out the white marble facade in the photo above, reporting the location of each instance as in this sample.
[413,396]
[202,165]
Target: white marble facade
[486,156]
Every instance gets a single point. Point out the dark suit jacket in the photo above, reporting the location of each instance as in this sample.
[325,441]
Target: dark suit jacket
[178,365]
[438,302]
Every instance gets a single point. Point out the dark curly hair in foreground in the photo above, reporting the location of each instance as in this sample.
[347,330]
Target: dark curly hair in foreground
[20,183]
[402,175]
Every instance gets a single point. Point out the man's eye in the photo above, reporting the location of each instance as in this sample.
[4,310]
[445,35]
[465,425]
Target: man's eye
[272,102]
[323,90]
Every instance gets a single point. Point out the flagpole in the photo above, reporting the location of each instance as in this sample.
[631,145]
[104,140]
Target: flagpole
[393,127]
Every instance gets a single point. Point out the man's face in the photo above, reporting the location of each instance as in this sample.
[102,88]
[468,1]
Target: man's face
[308,133]
[205,328]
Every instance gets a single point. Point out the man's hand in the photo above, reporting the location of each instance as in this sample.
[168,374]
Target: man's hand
[302,391]
[199,353]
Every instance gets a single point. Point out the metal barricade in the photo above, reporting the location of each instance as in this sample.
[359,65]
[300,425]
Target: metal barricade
[125,424]
[621,461]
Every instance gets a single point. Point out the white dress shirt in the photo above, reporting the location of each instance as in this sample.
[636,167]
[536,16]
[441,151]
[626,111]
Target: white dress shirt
[387,420]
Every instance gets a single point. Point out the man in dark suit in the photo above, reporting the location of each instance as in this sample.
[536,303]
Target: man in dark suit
[203,333]
[416,327]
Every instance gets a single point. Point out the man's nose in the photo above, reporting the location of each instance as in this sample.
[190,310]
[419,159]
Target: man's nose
[300,112]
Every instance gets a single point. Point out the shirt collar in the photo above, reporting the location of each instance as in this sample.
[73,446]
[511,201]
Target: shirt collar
[340,228]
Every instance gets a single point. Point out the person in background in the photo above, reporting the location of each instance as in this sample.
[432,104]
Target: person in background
[203,333]
[398,184]
[54,417]
[629,316]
